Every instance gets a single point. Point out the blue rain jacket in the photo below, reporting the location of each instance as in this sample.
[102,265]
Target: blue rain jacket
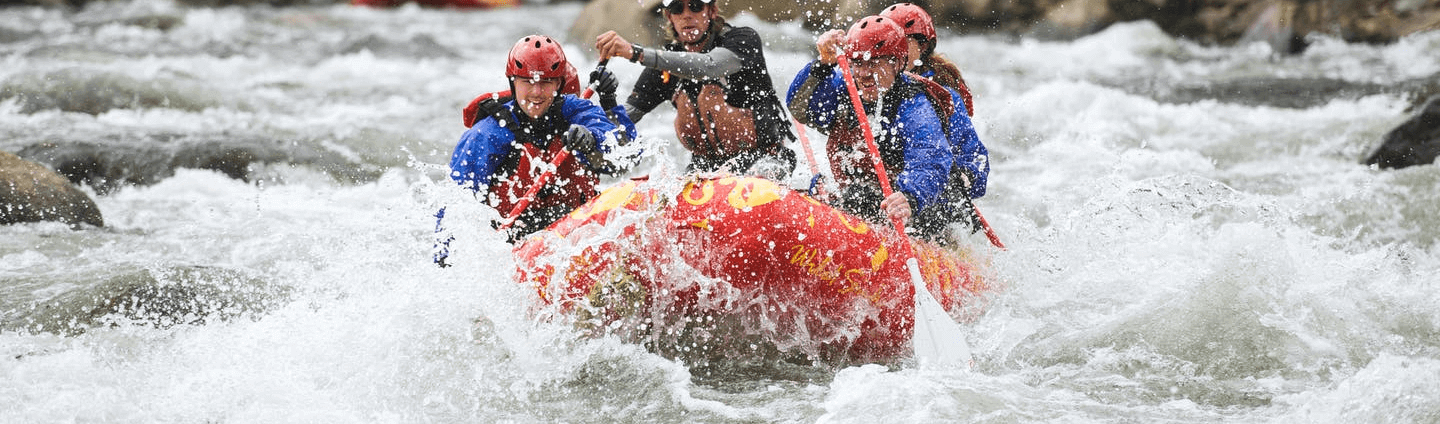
[913,128]
[485,145]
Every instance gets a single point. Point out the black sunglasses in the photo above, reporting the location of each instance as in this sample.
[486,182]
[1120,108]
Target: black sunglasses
[677,7]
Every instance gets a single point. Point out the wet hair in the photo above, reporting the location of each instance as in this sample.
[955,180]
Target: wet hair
[946,73]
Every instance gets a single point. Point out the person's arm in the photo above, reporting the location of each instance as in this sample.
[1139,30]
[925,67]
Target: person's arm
[605,84]
[818,91]
[632,112]
[650,90]
[628,151]
[714,64]
[605,135]
[817,97]
[738,48]
[971,156]
[927,152]
[478,154]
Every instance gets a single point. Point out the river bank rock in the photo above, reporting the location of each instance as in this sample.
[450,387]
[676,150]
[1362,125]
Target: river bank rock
[111,161]
[30,192]
[95,92]
[1414,142]
[155,297]
[1283,24]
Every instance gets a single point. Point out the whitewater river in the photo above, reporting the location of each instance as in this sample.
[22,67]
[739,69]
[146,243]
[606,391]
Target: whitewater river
[1179,253]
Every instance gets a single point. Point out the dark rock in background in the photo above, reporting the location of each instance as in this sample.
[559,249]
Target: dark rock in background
[96,92]
[30,192]
[160,298]
[1415,142]
[111,161]
[1282,24]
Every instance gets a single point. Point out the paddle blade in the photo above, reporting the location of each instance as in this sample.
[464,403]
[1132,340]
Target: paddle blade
[938,340]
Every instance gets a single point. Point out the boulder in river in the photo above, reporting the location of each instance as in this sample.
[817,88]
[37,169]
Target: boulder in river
[1414,142]
[30,192]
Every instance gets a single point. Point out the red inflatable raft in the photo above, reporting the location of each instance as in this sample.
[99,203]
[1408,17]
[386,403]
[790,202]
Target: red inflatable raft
[738,265]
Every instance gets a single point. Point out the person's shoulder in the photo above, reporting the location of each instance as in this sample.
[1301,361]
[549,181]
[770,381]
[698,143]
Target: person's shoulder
[571,104]
[744,41]
[914,84]
[583,111]
[740,33]
[740,30]
[913,91]
[570,99]
[939,61]
[486,130]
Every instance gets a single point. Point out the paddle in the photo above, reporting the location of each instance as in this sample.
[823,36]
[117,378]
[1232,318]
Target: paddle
[937,338]
[550,170]
[590,89]
[989,232]
[809,156]
[975,213]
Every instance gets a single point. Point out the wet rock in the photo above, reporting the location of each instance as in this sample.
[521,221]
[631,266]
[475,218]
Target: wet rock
[160,298]
[98,17]
[45,3]
[108,162]
[639,22]
[1271,27]
[95,92]
[1414,142]
[1074,18]
[1298,93]
[9,35]
[30,192]
[162,22]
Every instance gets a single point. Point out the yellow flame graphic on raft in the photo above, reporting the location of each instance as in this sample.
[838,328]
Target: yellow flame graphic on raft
[753,192]
[747,193]
[609,199]
[706,191]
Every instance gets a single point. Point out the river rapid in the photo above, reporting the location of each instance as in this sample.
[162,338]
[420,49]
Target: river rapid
[1173,257]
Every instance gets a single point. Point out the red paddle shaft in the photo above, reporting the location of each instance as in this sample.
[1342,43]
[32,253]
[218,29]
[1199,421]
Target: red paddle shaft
[869,136]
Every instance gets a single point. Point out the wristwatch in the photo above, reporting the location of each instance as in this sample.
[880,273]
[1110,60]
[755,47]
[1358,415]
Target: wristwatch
[635,53]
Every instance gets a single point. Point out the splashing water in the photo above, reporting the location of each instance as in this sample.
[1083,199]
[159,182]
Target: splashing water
[1172,257]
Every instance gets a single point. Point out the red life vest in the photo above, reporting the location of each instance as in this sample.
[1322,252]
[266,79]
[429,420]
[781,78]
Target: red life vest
[473,113]
[570,185]
[969,100]
[533,152]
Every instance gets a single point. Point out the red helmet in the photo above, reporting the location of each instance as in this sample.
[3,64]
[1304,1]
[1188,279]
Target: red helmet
[911,18]
[538,56]
[876,36]
[572,80]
